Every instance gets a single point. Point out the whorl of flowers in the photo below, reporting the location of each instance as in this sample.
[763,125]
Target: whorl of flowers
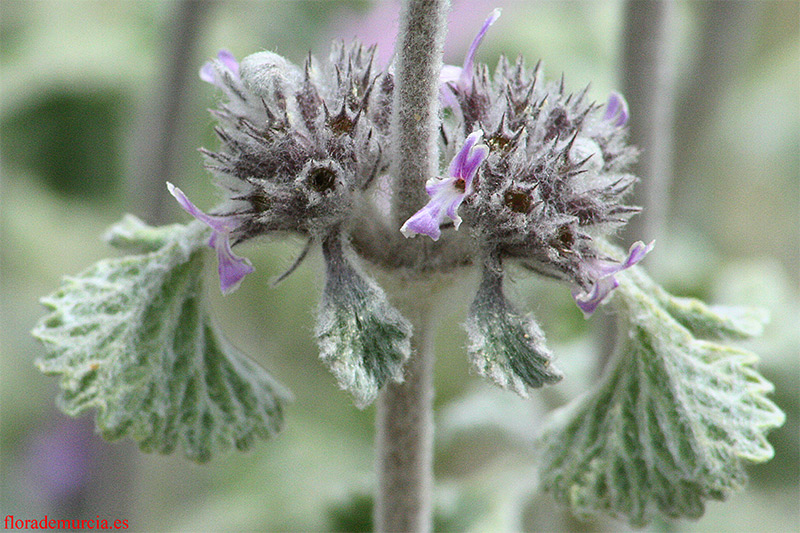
[537,173]
[554,178]
[529,174]
[299,144]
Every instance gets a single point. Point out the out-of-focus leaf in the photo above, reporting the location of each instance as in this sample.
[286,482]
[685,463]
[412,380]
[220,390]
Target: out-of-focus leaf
[710,322]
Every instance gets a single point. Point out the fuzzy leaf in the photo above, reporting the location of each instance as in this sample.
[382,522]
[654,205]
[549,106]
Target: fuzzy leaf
[505,346]
[134,236]
[361,336]
[712,322]
[130,337]
[669,426]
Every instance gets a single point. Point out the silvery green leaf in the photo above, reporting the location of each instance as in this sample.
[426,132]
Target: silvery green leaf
[505,346]
[713,322]
[670,425]
[131,337]
[132,235]
[361,336]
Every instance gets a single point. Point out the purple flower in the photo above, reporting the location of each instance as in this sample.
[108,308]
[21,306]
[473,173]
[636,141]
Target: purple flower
[60,461]
[448,193]
[602,271]
[208,72]
[461,77]
[616,110]
[232,268]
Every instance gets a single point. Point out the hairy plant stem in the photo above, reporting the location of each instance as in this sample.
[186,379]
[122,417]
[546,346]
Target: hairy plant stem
[419,49]
[404,439]
[404,433]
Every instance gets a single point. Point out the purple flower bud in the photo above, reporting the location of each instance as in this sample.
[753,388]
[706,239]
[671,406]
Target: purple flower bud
[602,271]
[229,61]
[448,193]
[462,76]
[616,110]
[232,268]
[208,72]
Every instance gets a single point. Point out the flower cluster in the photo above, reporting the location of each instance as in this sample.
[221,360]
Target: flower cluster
[537,176]
[552,173]
[298,146]
[548,183]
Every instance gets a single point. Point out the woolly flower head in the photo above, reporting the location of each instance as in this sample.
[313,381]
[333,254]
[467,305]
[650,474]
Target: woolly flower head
[537,173]
[554,179]
[299,144]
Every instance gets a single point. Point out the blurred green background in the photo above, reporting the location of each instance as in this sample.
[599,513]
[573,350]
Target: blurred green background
[100,104]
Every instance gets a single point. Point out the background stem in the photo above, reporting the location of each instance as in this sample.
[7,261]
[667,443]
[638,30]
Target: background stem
[158,154]
[647,78]
[648,83]
[727,41]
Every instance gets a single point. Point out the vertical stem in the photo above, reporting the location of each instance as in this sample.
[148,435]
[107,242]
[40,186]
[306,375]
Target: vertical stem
[416,103]
[727,39]
[158,156]
[648,84]
[404,436]
[404,440]
[647,73]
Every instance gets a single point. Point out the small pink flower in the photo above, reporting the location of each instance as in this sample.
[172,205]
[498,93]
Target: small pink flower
[604,281]
[448,193]
[461,77]
[232,268]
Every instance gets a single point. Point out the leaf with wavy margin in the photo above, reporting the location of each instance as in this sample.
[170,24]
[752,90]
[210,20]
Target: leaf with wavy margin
[672,422]
[130,337]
